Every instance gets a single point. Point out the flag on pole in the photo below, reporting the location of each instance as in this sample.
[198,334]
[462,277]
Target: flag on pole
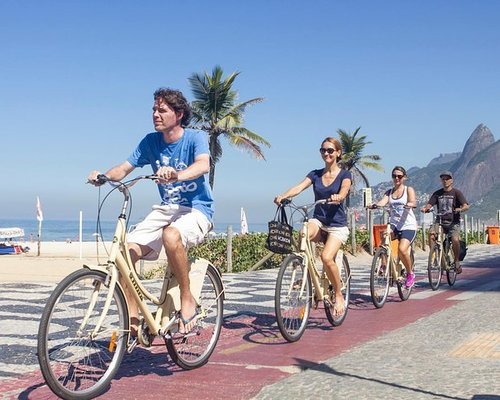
[243,222]
[39,214]
[356,215]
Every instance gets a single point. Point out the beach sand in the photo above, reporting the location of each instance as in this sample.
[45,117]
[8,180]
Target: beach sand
[56,260]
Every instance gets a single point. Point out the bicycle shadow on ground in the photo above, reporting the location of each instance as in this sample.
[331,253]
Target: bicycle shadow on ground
[142,362]
[146,361]
[321,367]
[31,392]
[262,328]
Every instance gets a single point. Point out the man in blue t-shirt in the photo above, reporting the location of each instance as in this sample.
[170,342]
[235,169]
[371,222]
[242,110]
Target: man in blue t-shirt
[181,159]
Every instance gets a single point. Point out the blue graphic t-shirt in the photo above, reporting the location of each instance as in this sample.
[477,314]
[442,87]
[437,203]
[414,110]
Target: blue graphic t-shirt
[153,150]
[331,215]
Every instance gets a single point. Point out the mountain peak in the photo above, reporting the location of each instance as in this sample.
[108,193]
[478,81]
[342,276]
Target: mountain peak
[480,139]
[482,132]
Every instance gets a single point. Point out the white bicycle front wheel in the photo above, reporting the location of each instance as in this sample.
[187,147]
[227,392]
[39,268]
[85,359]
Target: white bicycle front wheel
[76,363]
[292,298]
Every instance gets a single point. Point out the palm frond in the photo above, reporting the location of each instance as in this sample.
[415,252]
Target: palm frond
[246,144]
[248,134]
[217,111]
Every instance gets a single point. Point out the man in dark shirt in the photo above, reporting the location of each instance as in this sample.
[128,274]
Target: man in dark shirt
[450,203]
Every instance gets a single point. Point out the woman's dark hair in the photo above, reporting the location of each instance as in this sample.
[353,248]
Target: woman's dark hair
[176,100]
[400,169]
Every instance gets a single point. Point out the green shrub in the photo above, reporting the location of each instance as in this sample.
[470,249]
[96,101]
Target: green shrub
[247,250]
[250,248]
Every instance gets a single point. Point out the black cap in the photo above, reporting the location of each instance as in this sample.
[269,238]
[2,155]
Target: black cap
[446,173]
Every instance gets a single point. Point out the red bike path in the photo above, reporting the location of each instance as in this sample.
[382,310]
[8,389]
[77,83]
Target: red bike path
[252,354]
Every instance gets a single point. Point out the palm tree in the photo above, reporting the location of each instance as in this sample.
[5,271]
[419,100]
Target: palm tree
[216,111]
[353,158]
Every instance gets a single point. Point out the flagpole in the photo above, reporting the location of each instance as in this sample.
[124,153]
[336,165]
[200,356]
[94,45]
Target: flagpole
[39,217]
[80,234]
[39,236]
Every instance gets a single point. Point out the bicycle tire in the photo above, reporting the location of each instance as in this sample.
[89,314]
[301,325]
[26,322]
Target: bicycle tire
[291,308]
[434,266]
[451,273]
[403,291]
[345,281]
[192,350]
[75,365]
[379,278]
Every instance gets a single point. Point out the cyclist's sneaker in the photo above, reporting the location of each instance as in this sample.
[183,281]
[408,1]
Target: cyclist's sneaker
[458,269]
[410,280]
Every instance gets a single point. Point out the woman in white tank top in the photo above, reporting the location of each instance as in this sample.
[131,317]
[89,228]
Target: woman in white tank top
[402,200]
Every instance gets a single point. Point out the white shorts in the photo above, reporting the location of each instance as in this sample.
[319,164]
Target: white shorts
[339,232]
[192,224]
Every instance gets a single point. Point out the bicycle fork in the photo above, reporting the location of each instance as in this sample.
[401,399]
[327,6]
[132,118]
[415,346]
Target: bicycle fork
[110,282]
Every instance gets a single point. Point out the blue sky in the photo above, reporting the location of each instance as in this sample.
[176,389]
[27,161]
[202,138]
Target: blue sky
[77,77]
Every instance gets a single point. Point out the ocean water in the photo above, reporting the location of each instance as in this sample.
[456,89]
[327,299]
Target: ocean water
[63,230]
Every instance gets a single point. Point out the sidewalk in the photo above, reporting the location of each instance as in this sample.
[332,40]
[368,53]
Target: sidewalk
[451,354]
[441,344]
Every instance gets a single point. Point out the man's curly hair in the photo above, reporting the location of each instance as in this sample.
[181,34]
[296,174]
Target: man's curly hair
[176,100]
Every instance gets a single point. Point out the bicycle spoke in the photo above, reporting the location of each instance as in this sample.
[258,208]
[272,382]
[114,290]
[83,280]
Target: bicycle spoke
[379,277]
[75,362]
[292,298]
[192,350]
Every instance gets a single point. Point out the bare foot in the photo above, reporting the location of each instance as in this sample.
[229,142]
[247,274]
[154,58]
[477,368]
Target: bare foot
[188,315]
[339,307]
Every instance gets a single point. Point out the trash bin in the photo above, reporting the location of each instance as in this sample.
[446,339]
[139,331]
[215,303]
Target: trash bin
[378,232]
[493,237]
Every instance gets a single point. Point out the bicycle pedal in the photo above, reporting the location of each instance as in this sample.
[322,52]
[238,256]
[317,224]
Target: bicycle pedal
[131,347]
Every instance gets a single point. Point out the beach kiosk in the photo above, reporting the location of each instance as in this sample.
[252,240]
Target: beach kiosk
[7,241]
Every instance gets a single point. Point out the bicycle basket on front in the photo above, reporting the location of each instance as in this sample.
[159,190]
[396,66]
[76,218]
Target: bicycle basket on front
[279,238]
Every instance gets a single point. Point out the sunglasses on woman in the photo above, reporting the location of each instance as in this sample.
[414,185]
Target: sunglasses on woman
[394,176]
[329,150]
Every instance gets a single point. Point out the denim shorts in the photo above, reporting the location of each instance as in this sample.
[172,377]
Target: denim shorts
[408,234]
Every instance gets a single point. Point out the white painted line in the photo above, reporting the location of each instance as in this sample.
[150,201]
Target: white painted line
[443,287]
[473,293]
[289,369]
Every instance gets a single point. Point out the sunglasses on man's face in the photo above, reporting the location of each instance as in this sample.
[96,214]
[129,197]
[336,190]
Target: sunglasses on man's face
[329,150]
[394,176]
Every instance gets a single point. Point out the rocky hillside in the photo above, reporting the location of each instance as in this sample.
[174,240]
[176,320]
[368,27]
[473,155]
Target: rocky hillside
[476,173]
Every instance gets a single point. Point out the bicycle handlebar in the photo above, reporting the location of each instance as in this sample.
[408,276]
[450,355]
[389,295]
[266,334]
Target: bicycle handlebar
[304,209]
[101,179]
[432,210]
[387,207]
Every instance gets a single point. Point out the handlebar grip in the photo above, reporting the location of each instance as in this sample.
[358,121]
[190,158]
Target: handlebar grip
[101,179]
[285,202]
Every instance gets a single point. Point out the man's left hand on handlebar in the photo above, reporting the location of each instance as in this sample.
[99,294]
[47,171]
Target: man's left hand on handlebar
[167,175]
[93,180]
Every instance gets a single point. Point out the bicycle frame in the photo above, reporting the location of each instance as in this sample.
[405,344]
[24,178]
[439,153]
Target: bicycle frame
[306,251]
[440,238]
[120,264]
[392,247]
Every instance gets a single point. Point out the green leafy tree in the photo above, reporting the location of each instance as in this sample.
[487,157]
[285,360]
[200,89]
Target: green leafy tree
[353,158]
[217,111]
